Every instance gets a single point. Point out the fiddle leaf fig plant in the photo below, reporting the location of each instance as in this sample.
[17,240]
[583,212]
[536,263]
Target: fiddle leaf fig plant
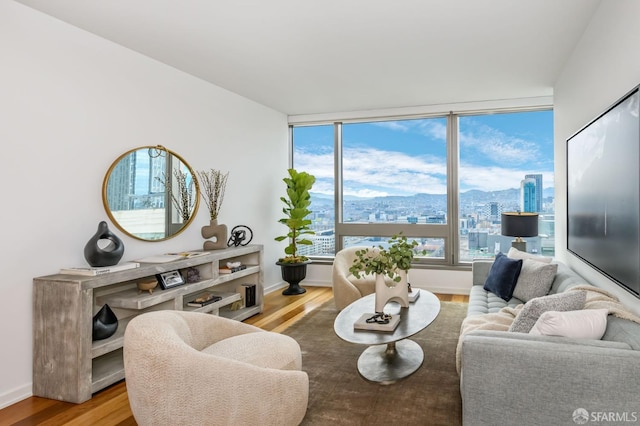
[386,261]
[296,210]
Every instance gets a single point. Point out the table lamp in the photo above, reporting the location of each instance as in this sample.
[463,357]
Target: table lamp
[518,225]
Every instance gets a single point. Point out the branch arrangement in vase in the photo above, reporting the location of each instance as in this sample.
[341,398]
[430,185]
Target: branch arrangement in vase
[212,186]
[184,202]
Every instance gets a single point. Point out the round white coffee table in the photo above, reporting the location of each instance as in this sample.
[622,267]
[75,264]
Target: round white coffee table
[391,356]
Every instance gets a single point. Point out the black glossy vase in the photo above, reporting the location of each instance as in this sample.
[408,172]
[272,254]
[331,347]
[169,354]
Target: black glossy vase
[105,323]
[108,255]
[293,273]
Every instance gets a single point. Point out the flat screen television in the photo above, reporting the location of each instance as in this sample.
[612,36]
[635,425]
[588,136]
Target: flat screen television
[603,192]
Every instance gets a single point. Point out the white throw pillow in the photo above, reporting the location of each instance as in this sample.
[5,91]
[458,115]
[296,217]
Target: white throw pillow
[583,324]
[514,253]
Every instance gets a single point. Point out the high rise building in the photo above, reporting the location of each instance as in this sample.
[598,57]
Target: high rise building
[539,191]
[528,192]
[129,190]
[492,211]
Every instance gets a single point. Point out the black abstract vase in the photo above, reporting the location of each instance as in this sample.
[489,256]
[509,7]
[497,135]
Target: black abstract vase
[107,255]
[105,323]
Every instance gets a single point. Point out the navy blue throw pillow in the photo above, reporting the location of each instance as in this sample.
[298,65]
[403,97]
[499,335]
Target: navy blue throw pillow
[503,276]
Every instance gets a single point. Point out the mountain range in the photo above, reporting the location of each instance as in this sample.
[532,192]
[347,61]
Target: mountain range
[473,196]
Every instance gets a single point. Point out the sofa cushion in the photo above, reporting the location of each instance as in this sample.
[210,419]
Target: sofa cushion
[582,324]
[535,279]
[482,302]
[623,330]
[503,276]
[514,253]
[565,279]
[531,311]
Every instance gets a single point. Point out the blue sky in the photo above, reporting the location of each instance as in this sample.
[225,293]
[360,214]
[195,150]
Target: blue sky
[408,157]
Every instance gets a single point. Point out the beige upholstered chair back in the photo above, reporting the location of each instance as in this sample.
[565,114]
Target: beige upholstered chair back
[187,368]
[346,287]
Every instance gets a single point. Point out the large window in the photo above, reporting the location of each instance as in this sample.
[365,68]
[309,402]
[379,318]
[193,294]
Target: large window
[505,165]
[314,154]
[441,180]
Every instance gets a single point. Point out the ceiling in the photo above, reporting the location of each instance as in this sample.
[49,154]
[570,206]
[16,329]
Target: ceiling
[310,57]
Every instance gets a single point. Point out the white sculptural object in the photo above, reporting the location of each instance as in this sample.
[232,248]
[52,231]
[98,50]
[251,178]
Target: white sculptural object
[388,291]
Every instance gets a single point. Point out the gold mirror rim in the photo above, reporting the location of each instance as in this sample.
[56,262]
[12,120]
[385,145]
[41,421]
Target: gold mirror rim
[105,202]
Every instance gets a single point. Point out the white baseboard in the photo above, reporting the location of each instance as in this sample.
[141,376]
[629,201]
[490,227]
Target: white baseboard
[306,283]
[446,290]
[450,289]
[15,395]
[434,280]
[275,287]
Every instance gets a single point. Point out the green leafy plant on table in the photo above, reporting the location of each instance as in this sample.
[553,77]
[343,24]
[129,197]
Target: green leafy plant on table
[386,261]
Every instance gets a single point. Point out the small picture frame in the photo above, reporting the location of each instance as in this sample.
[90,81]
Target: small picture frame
[170,279]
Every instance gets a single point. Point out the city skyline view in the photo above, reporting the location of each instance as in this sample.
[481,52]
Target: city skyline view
[397,172]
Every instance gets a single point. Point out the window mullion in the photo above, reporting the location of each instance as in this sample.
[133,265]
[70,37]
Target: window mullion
[452,243]
[337,164]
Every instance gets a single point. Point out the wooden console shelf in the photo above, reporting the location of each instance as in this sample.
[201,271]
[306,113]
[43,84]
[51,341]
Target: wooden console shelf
[69,366]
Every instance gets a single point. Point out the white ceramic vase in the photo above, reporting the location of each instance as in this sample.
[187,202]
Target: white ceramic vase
[387,291]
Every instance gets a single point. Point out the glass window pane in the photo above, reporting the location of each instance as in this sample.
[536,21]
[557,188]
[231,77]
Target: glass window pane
[434,247]
[313,153]
[395,171]
[506,164]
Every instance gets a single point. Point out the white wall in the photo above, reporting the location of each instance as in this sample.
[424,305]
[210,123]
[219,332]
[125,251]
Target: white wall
[70,103]
[604,66]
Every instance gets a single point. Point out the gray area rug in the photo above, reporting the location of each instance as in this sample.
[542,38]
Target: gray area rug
[339,396]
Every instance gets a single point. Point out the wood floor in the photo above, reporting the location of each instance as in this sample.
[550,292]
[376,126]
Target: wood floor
[110,407]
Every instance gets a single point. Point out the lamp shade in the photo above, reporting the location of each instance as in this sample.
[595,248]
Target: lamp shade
[519,224]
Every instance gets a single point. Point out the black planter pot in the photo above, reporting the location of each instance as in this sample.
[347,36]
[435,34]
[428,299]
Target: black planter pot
[293,273]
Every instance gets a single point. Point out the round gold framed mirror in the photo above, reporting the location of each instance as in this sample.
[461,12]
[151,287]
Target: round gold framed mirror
[150,193]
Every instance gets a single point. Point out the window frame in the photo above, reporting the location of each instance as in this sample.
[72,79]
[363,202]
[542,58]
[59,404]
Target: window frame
[449,231]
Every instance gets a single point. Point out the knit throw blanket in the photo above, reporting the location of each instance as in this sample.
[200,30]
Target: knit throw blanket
[597,298]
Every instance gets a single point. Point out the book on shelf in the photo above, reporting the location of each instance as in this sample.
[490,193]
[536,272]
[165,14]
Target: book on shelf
[204,299]
[415,293]
[228,270]
[99,270]
[187,254]
[249,291]
[362,324]
[161,258]
[171,257]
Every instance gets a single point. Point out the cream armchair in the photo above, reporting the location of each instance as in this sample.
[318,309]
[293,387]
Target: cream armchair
[187,368]
[346,287]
